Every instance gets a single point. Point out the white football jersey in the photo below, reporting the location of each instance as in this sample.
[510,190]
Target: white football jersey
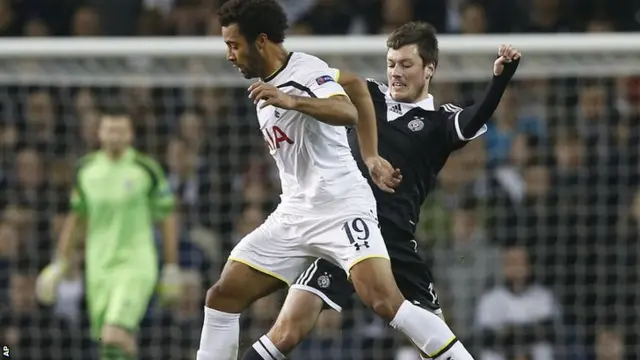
[317,170]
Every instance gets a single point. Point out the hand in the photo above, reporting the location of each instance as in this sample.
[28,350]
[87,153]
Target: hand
[383,174]
[170,285]
[271,96]
[506,54]
[48,281]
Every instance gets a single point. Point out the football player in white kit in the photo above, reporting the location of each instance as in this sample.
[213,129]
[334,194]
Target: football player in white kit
[327,209]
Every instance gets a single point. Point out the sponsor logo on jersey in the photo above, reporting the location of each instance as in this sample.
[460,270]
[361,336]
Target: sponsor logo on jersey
[397,108]
[274,137]
[416,124]
[324,79]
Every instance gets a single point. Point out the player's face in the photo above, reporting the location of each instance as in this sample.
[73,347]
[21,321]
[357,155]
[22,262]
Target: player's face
[243,55]
[115,133]
[406,74]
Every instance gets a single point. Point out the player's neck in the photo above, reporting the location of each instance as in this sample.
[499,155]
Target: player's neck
[423,96]
[274,60]
[115,155]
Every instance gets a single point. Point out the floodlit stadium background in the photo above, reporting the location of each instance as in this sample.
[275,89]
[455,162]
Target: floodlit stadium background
[552,184]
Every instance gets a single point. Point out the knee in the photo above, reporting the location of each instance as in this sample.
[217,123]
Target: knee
[220,295]
[383,299]
[119,338]
[287,334]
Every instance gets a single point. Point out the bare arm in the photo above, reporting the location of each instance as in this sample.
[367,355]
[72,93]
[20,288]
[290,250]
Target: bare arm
[366,128]
[73,225]
[336,110]
[170,239]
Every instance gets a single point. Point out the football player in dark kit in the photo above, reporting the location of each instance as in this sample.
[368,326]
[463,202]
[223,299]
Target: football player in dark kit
[417,139]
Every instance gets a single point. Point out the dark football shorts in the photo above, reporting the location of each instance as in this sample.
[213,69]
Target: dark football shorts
[410,270]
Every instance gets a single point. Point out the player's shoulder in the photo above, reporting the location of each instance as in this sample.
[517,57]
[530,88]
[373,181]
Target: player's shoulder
[449,108]
[300,59]
[146,161]
[376,87]
[86,160]
[304,66]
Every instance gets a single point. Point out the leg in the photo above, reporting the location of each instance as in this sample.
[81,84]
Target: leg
[238,287]
[322,286]
[359,247]
[117,343]
[374,283]
[296,319]
[129,297]
[258,266]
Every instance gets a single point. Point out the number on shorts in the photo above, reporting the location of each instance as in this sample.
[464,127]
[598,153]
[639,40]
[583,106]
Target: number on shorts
[361,231]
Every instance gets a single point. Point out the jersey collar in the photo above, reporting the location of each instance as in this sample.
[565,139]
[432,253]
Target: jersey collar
[128,155]
[427,104]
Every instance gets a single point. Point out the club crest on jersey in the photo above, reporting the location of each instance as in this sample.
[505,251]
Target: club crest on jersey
[416,124]
[324,79]
[277,113]
[128,185]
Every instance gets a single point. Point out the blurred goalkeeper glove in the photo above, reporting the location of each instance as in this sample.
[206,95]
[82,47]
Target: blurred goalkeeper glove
[48,281]
[170,284]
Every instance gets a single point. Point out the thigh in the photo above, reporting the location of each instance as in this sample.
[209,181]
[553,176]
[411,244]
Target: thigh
[327,281]
[275,248]
[348,237]
[98,293]
[413,274]
[129,301]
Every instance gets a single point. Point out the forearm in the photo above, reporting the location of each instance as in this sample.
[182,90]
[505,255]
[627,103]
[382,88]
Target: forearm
[336,110]
[68,237]
[366,129]
[170,239]
[475,117]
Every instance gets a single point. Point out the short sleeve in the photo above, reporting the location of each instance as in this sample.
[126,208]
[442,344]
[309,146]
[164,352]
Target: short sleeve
[323,82]
[452,124]
[77,200]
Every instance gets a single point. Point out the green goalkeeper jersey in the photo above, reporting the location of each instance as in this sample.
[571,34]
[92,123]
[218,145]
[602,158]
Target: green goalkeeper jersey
[121,199]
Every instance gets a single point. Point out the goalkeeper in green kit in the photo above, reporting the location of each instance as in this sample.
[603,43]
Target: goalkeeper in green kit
[118,196]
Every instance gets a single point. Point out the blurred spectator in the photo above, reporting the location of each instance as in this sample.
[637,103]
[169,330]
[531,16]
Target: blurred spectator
[609,344]
[40,123]
[468,252]
[546,16]
[86,22]
[189,184]
[36,28]
[251,218]
[507,123]
[507,330]
[23,316]
[473,19]
[114,17]
[9,25]
[89,124]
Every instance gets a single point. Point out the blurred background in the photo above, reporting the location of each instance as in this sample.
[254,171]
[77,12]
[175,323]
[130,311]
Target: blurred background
[544,207]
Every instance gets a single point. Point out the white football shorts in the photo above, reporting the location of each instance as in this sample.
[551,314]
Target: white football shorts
[286,244]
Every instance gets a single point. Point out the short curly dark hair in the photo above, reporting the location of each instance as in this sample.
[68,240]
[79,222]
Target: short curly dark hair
[255,17]
[418,33]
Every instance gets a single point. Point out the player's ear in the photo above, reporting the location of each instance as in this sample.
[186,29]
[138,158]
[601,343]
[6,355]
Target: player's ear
[429,70]
[261,41]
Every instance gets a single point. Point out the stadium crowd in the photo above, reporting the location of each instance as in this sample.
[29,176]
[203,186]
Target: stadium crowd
[533,230]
